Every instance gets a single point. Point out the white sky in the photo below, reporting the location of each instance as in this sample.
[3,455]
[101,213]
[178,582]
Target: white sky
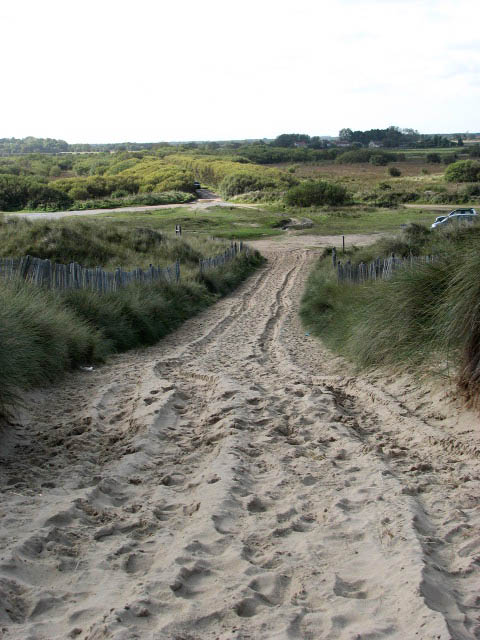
[151,70]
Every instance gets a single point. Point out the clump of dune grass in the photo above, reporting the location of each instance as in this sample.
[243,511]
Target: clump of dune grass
[423,314]
[45,333]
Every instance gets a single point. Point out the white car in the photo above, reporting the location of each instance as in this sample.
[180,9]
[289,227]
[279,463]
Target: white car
[457,215]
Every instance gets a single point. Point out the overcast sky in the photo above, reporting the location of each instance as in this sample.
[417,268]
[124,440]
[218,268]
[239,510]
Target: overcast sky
[142,70]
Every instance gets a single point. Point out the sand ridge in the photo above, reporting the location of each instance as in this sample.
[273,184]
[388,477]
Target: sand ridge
[237,481]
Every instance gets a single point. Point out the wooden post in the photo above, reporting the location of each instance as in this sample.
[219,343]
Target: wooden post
[343,243]
[334,257]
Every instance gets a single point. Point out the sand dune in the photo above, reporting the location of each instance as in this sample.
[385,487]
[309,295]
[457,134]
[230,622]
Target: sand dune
[237,481]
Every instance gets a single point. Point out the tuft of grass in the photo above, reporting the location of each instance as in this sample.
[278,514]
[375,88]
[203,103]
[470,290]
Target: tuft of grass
[40,338]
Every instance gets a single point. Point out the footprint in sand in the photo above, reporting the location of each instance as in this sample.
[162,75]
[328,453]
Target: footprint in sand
[137,562]
[346,589]
[271,588]
[247,608]
[188,580]
[256,505]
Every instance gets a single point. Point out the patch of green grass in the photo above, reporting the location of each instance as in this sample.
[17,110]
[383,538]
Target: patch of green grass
[221,221]
[348,220]
[249,223]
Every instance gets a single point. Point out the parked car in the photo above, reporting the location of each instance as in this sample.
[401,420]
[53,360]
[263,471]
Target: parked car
[457,215]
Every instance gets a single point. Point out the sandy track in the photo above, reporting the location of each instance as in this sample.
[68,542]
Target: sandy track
[205,200]
[237,482]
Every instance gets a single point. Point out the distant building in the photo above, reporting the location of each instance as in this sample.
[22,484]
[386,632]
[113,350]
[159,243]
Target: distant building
[301,145]
[375,145]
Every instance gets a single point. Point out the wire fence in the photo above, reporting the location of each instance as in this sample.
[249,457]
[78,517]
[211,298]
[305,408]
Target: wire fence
[379,269]
[53,275]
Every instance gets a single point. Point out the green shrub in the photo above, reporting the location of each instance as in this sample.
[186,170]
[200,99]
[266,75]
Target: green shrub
[449,158]
[463,171]
[18,192]
[470,190]
[394,172]
[319,192]
[433,158]
[378,159]
[351,157]
[235,184]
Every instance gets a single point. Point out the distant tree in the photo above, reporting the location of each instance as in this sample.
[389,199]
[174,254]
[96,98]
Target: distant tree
[289,139]
[316,143]
[345,135]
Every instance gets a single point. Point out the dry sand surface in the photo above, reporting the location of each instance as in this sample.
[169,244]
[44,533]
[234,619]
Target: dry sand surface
[238,482]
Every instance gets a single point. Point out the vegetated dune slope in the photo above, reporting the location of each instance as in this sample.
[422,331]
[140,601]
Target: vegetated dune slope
[236,482]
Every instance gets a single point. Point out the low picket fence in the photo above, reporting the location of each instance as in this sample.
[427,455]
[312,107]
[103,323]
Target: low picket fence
[53,275]
[221,259]
[379,269]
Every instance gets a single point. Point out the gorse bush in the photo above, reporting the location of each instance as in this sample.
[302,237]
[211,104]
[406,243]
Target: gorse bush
[122,199]
[394,172]
[232,177]
[463,171]
[18,192]
[238,183]
[316,192]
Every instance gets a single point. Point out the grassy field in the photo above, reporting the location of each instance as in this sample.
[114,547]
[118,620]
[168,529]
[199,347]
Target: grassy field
[250,223]
[233,223]
[361,220]
[366,172]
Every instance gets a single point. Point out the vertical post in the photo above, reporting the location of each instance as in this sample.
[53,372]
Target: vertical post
[178,229]
[343,243]
[177,270]
[334,257]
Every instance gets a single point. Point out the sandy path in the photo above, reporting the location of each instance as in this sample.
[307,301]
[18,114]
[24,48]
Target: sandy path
[205,199]
[237,482]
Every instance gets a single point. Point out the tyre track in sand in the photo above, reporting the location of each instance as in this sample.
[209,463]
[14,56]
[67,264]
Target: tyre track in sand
[231,483]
